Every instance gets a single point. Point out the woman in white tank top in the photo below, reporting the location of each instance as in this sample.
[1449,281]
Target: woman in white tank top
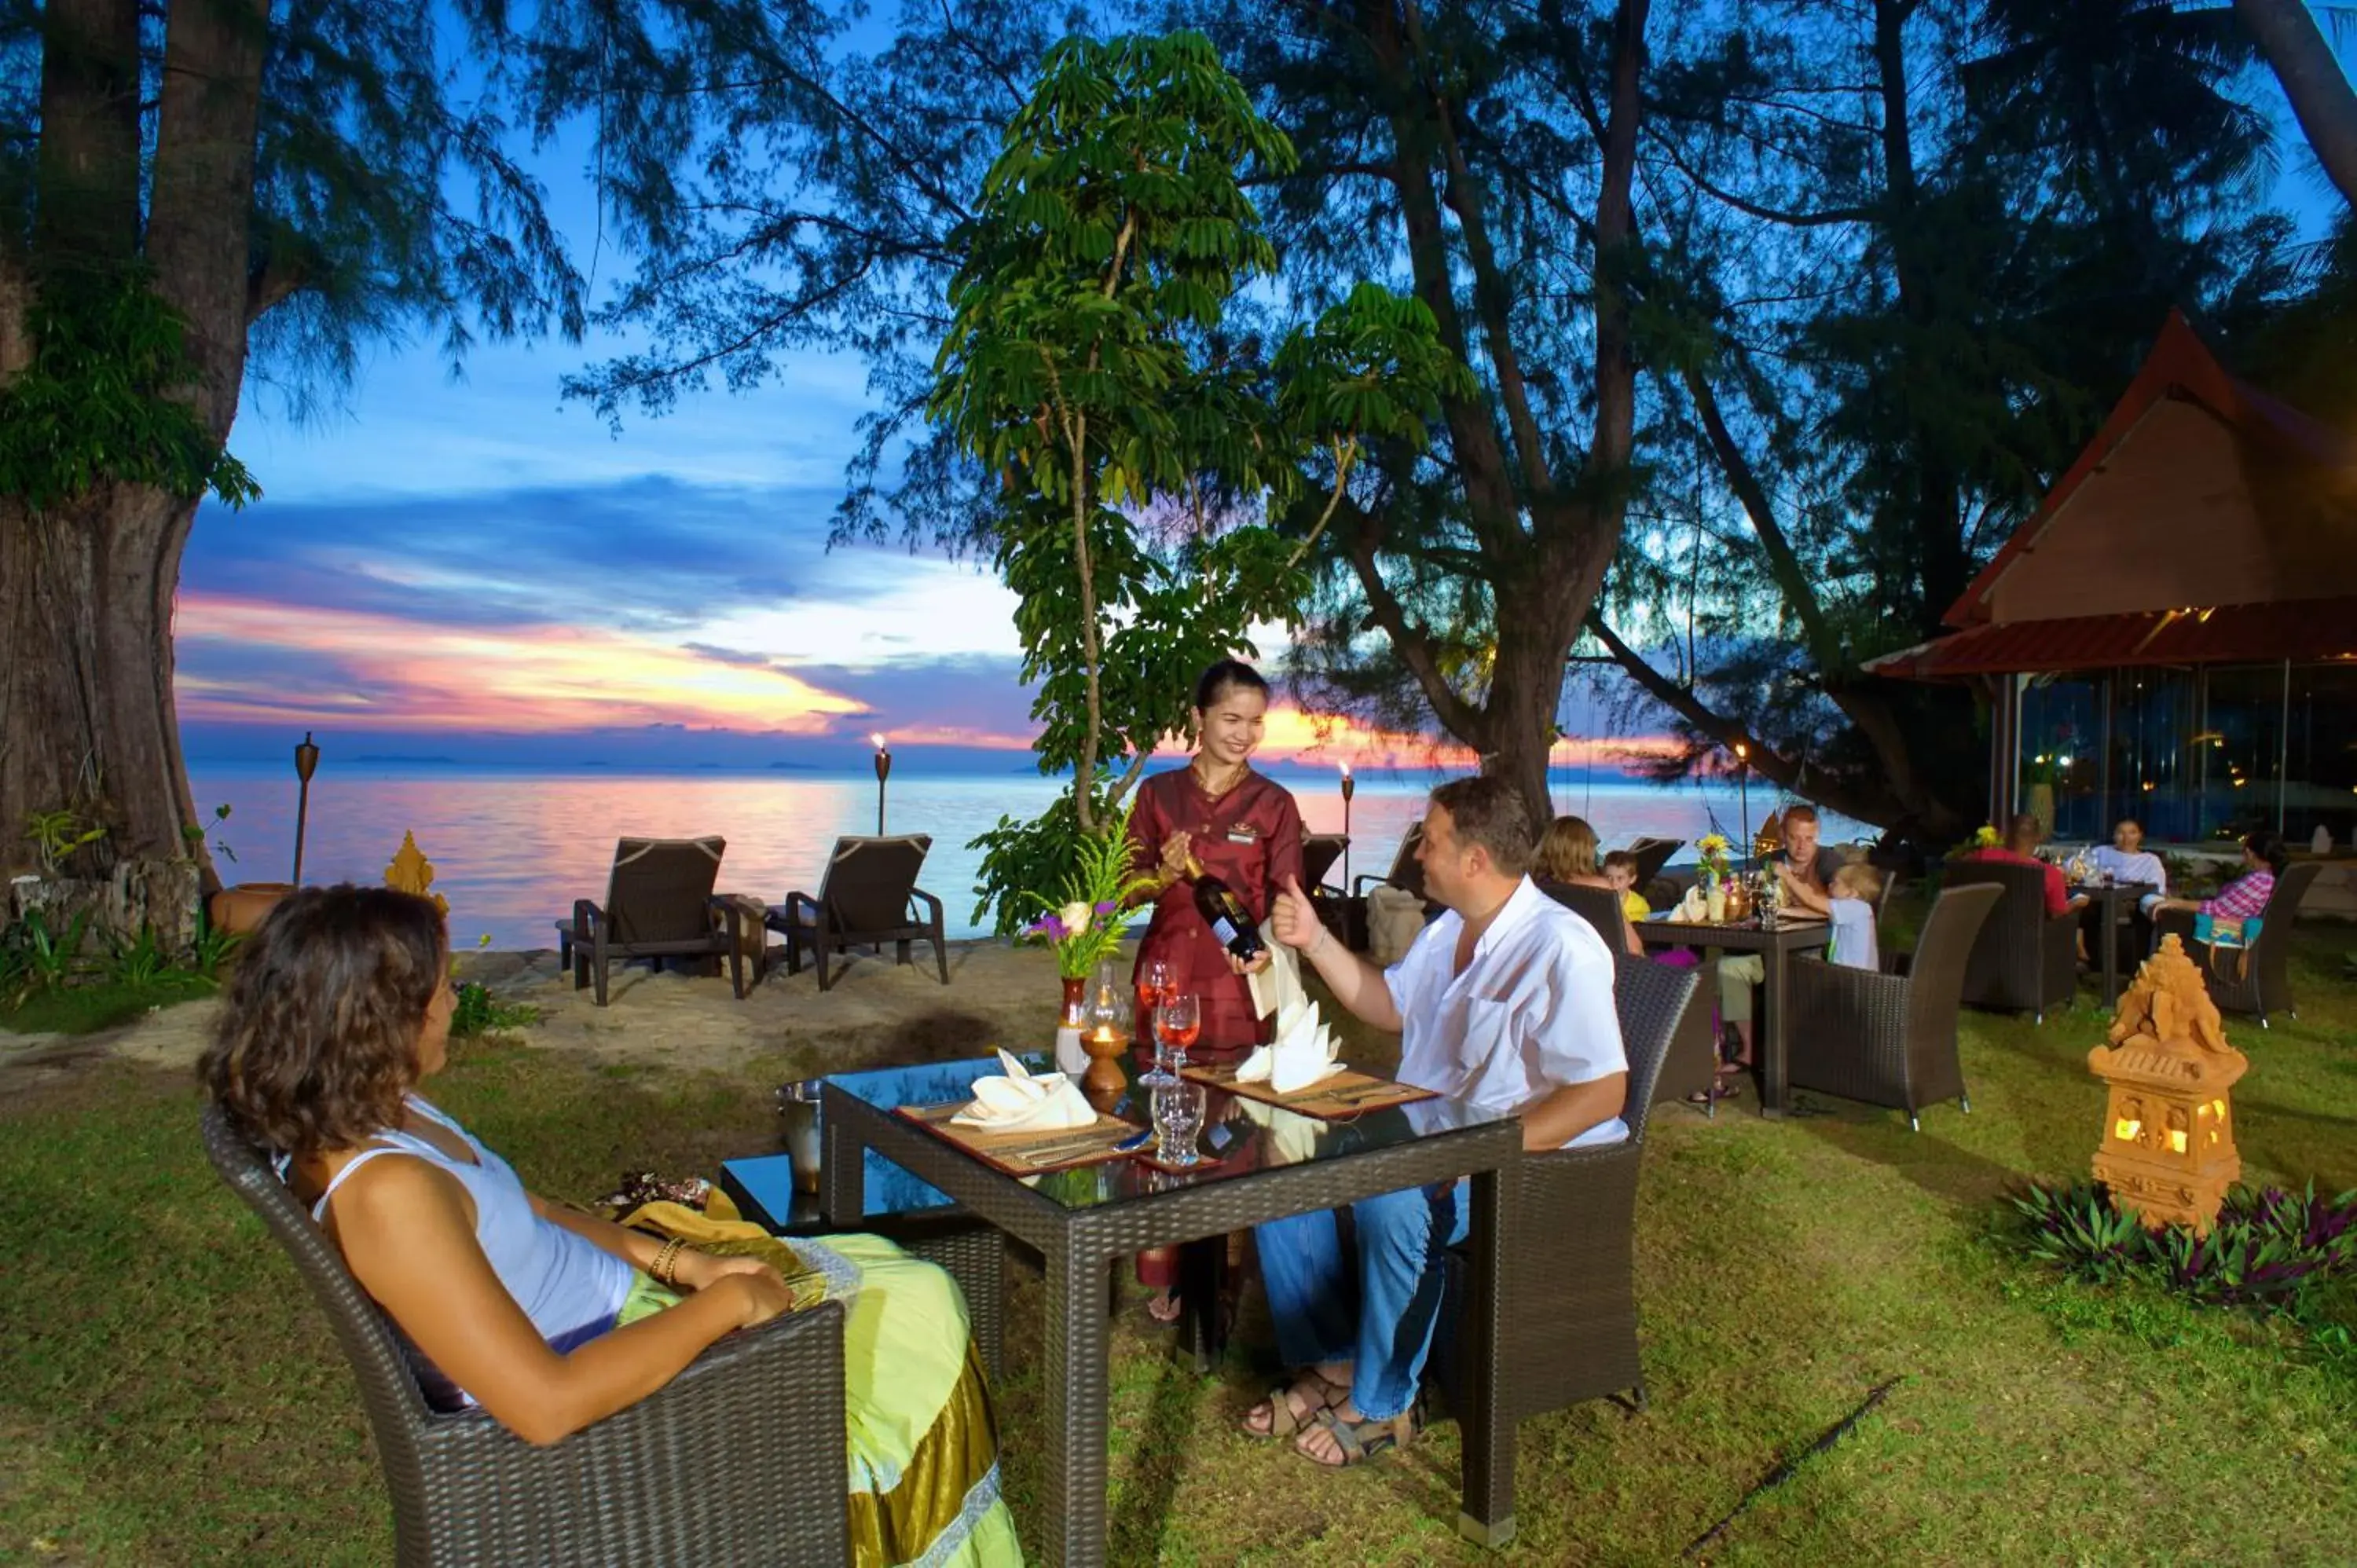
[548,1318]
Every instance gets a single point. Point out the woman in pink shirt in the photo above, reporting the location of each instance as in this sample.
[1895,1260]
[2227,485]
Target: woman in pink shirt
[2245,897]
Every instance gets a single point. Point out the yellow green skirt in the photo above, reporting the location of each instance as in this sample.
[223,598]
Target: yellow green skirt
[923,1447]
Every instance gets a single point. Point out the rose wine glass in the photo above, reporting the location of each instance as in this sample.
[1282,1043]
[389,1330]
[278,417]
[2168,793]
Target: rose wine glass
[1177,1023]
[1157,980]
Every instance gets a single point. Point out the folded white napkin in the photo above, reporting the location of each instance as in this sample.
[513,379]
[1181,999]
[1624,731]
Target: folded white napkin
[1026,1102]
[1278,986]
[1301,1054]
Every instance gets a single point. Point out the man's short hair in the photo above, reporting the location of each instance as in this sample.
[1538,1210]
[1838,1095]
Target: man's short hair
[2024,832]
[1800,811]
[1488,810]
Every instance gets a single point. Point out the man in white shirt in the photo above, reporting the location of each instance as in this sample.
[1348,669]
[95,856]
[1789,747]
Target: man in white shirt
[1505,1001]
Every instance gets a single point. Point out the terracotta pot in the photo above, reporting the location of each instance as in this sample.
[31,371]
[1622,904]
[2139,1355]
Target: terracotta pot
[242,908]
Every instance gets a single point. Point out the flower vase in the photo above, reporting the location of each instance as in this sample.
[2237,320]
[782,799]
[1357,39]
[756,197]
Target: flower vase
[1070,1055]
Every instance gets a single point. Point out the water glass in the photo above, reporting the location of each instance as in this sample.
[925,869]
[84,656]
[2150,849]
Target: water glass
[1177,1118]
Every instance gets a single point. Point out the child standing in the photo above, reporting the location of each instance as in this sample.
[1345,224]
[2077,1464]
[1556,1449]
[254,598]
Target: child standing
[1850,912]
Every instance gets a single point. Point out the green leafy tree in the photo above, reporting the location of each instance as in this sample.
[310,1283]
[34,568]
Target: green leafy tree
[188,187]
[1088,369]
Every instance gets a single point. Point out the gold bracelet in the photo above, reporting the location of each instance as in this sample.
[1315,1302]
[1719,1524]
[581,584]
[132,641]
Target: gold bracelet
[665,1267]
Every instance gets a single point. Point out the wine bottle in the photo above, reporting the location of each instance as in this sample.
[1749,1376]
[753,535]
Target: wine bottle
[1225,914]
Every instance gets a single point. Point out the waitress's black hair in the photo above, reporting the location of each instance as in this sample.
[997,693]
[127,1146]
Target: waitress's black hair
[2269,846]
[1227,675]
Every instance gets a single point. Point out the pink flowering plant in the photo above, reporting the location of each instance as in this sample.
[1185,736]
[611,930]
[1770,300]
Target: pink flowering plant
[1084,925]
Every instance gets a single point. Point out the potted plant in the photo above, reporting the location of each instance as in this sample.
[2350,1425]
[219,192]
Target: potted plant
[241,908]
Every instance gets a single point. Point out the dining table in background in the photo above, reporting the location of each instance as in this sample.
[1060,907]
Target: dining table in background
[1790,934]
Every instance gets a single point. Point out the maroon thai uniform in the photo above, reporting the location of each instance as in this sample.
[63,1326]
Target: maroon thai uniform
[1250,838]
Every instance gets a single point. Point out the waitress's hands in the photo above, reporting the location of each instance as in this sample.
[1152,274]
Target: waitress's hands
[1174,855]
[1293,918]
[1260,960]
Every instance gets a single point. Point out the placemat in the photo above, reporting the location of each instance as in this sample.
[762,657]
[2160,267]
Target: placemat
[1344,1095]
[1026,1152]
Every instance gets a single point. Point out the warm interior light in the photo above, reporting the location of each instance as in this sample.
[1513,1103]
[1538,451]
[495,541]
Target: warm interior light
[2177,1140]
[2126,1129]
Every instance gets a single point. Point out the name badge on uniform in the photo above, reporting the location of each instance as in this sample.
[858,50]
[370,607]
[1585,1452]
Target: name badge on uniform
[1243,832]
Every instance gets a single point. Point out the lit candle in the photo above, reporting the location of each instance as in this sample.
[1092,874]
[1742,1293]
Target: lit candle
[1350,787]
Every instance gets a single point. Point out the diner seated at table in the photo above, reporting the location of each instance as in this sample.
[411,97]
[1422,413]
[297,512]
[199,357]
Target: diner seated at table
[2023,834]
[1504,1001]
[1567,854]
[2265,855]
[548,1318]
[1804,871]
[2125,859]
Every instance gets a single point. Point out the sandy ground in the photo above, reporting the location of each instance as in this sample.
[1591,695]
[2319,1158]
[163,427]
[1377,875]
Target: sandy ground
[877,1010]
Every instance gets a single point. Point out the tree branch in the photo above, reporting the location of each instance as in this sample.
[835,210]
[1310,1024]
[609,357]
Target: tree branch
[1458,716]
[1825,647]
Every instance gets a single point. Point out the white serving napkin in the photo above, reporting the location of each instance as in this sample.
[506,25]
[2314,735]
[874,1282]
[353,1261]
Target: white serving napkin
[1023,1100]
[1278,986]
[1301,1054]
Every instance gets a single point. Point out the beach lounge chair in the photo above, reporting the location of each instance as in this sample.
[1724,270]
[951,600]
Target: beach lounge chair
[658,904]
[1406,873]
[738,1460]
[1889,1038]
[1652,854]
[868,897]
[1319,853]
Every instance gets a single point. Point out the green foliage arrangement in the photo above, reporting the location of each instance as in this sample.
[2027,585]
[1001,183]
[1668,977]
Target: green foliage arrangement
[97,402]
[2268,1249]
[56,835]
[479,1013]
[1082,921]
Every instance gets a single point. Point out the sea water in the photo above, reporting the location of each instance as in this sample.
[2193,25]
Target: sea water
[511,849]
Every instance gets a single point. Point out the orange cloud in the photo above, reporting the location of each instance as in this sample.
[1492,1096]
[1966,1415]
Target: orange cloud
[424,676]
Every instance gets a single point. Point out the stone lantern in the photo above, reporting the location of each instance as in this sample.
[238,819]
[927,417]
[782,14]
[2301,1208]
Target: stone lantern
[2168,1138]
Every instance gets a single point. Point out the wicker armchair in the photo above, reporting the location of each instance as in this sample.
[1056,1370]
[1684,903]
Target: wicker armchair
[2024,961]
[1888,1039]
[1571,1318]
[2262,979]
[658,904]
[739,1459]
[869,895]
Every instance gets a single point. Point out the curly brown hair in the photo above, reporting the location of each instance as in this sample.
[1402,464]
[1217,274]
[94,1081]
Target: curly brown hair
[317,1043]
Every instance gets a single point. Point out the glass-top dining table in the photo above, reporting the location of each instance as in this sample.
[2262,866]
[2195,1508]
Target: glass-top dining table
[1262,1162]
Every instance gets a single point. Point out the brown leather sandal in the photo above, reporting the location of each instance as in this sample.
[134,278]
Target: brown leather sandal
[1361,1441]
[1324,1394]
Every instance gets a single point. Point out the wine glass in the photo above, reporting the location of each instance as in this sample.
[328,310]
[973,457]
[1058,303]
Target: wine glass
[1177,1023]
[1177,1118]
[1157,979]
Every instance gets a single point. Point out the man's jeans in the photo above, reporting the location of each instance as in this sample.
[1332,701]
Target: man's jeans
[1376,1310]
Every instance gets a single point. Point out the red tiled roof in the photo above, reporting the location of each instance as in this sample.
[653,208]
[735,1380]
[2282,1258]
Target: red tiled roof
[2305,630]
[2180,366]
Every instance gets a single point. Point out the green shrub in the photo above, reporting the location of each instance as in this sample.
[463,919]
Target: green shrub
[2268,1248]
[479,1014]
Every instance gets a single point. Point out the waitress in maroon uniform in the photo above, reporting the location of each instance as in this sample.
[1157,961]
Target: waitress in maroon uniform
[1244,829]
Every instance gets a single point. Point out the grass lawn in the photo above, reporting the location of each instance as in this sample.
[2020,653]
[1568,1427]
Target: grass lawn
[86,1009]
[172,1397]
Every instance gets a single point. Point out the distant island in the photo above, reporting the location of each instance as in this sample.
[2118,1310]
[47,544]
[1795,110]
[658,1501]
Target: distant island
[384,757]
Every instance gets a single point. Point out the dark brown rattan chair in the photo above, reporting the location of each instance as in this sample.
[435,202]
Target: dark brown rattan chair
[739,1459]
[1888,1039]
[2024,961]
[1571,1317]
[2258,978]
[1691,1065]
[868,897]
[658,904]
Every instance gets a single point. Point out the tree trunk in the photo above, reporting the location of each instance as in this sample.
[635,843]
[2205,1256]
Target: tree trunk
[2312,79]
[1525,693]
[86,673]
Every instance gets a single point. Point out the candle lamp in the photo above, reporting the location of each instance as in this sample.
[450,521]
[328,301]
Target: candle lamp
[1105,1031]
[1743,793]
[307,762]
[883,772]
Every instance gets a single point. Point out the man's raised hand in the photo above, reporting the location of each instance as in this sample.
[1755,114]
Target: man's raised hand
[1294,918]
